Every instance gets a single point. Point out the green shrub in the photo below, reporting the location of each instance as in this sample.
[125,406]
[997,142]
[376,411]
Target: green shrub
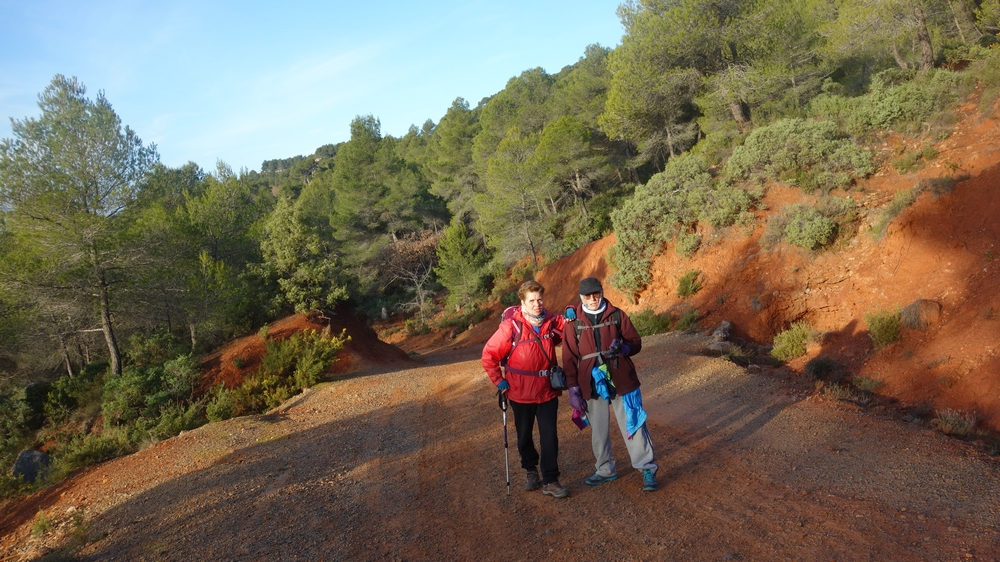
[915,160]
[896,100]
[146,350]
[85,450]
[986,68]
[173,418]
[41,524]
[808,228]
[221,405]
[70,394]
[688,284]
[287,367]
[791,343]
[417,327]
[657,212]
[811,154]
[883,327]
[902,200]
[837,391]
[687,244]
[510,299]
[11,486]
[461,321]
[811,227]
[954,422]
[826,369]
[688,320]
[721,204]
[647,322]
[774,230]
[866,384]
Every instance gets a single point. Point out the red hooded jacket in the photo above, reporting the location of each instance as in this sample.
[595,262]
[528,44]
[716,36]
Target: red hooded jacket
[527,355]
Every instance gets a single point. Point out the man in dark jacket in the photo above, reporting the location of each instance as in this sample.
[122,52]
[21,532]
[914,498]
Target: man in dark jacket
[598,340]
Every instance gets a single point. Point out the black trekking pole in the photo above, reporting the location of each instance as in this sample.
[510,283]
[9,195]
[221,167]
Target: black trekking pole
[506,459]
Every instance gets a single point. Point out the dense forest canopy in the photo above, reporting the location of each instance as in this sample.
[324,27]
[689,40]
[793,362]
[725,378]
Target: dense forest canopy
[102,247]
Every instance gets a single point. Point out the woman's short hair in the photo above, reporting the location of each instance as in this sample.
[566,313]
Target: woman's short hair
[529,287]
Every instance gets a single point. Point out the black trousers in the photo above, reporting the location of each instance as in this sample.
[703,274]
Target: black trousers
[524,422]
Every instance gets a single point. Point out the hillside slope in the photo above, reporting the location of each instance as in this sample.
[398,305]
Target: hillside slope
[941,249]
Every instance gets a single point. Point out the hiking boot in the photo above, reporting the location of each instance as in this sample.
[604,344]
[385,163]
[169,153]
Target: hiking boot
[555,490]
[649,481]
[531,480]
[596,479]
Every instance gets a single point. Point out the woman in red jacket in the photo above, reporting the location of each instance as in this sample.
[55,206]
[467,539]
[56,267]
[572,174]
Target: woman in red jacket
[525,346]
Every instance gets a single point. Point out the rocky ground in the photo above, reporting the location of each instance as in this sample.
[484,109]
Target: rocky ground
[408,464]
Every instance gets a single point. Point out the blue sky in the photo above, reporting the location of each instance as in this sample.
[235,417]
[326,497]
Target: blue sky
[244,82]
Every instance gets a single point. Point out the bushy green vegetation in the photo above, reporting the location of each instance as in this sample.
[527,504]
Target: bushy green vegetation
[808,153]
[883,327]
[672,201]
[901,201]
[688,284]
[958,423]
[647,322]
[914,160]
[810,227]
[462,320]
[94,416]
[791,343]
[688,320]
[896,99]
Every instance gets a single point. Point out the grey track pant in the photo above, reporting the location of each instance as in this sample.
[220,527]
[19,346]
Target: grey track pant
[640,447]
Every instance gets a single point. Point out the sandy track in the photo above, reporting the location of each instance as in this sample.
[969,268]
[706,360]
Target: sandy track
[408,465]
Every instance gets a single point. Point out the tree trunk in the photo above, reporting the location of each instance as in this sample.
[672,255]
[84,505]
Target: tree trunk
[924,38]
[958,26]
[106,327]
[899,58]
[531,246]
[65,355]
[109,333]
[741,113]
[194,339]
[577,185]
[670,142]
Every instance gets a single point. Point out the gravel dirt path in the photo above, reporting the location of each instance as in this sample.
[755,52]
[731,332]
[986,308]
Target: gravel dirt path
[409,465]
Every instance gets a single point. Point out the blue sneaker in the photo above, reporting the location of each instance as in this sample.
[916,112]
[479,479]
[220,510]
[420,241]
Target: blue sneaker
[596,479]
[649,481]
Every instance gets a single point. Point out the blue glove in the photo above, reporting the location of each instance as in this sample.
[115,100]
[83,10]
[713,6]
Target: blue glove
[576,399]
[570,314]
[504,386]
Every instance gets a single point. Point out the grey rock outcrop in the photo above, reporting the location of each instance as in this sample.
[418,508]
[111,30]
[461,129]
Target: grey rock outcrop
[30,464]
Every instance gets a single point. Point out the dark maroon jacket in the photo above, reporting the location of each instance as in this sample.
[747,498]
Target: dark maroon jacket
[621,368]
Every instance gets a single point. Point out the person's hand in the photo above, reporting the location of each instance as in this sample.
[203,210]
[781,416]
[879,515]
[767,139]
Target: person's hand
[576,399]
[618,347]
[503,387]
[570,313]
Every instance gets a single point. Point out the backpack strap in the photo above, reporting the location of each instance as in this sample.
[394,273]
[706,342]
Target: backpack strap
[518,329]
[614,320]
